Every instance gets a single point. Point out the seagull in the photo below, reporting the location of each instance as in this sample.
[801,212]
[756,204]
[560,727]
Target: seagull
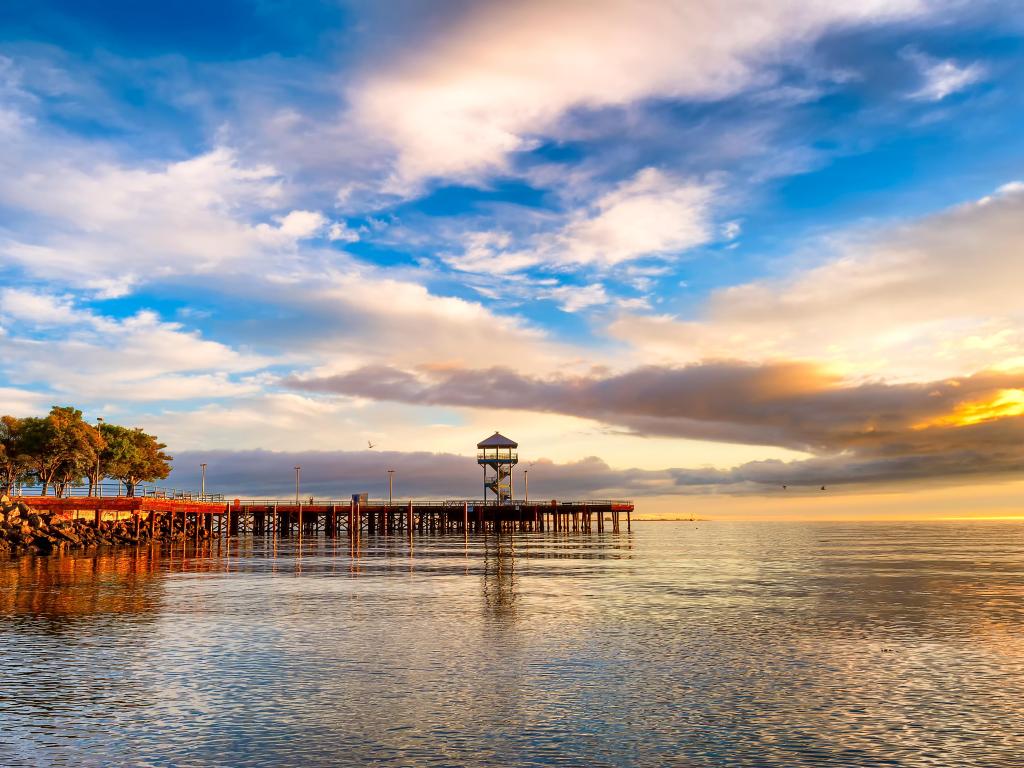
[370,445]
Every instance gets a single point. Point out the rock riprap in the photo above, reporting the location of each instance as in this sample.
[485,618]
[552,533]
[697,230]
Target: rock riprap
[26,530]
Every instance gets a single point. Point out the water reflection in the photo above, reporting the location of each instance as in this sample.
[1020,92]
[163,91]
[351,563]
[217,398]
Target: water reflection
[678,644]
[499,577]
[111,582]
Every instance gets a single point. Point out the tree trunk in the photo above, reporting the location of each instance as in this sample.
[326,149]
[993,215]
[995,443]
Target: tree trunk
[129,487]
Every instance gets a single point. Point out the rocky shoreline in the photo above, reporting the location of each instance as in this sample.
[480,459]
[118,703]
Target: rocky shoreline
[24,530]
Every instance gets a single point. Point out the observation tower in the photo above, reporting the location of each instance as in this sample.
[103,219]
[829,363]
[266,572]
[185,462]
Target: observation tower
[497,455]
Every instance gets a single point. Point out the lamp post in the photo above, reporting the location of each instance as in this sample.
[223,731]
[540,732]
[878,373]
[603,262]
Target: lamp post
[391,484]
[99,487]
[202,484]
[526,484]
[298,471]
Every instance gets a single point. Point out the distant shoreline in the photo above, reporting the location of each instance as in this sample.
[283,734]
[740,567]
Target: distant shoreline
[671,520]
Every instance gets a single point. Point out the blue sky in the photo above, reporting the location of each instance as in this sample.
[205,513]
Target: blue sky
[220,220]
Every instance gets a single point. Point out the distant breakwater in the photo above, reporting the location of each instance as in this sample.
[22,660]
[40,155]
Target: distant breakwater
[26,530]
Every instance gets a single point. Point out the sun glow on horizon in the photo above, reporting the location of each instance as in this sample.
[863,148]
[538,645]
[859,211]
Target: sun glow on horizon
[1006,404]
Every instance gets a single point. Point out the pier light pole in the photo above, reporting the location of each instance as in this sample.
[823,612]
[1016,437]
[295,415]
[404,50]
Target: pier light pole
[99,488]
[526,485]
[202,486]
[298,471]
[391,484]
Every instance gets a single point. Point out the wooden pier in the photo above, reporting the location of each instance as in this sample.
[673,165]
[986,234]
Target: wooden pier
[268,517]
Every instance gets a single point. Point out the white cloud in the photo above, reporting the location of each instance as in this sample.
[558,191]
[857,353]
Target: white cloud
[346,318]
[489,253]
[942,77]
[339,232]
[109,226]
[137,358]
[21,402]
[299,225]
[573,298]
[456,105]
[39,308]
[934,298]
[651,214]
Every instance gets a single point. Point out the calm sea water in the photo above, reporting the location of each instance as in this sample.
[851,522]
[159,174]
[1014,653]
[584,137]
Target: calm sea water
[684,644]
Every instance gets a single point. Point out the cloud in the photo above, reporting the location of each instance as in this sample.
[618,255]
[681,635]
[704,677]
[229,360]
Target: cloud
[931,298]
[74,352]
[965,425]
[338,314]
[942,77]
[423,475]
[39,308]
[110,226]
[22,402]
[457,104]
[339,232]
[650,215]
[573,298]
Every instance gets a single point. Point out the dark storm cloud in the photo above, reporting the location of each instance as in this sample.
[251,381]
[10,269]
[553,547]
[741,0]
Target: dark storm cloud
[338,474]
[793,405]
[866,433]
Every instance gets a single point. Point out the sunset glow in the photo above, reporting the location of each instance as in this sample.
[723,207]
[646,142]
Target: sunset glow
[1007,403]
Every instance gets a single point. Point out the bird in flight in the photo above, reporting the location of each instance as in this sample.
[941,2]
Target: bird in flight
[369,444]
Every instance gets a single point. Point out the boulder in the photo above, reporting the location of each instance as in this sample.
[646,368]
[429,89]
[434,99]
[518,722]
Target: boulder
[67,535]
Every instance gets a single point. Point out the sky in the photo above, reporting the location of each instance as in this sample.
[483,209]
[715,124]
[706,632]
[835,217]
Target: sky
[728,258]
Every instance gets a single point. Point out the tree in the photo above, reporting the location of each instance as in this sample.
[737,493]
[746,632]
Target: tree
[133,456]
[61,447]
[15,465]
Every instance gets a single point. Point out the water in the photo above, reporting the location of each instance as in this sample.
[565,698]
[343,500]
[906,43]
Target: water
[684,644]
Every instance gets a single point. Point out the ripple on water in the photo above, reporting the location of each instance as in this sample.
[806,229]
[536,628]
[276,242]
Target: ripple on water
[760,645]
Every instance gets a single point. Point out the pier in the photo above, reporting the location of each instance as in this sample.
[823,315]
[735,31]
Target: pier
[215,516]
[334,518]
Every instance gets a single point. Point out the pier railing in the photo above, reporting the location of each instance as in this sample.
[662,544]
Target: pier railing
[114,489]
[148,490]
[325,502]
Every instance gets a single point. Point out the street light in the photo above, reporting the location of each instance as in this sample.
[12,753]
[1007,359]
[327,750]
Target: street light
[202,486]
[526,482]
[391,484]
[298,471]
[99,487]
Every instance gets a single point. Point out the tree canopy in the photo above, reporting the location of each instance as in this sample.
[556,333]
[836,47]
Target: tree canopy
[62,449]
[132,456]
[14,462]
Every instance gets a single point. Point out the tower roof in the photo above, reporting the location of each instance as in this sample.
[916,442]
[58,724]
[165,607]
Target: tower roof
[497,440]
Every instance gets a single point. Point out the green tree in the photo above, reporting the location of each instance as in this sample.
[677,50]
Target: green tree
[61,447]
[133,456]
[15,465]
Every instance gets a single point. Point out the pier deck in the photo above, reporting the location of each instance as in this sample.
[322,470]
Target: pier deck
[261,517]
